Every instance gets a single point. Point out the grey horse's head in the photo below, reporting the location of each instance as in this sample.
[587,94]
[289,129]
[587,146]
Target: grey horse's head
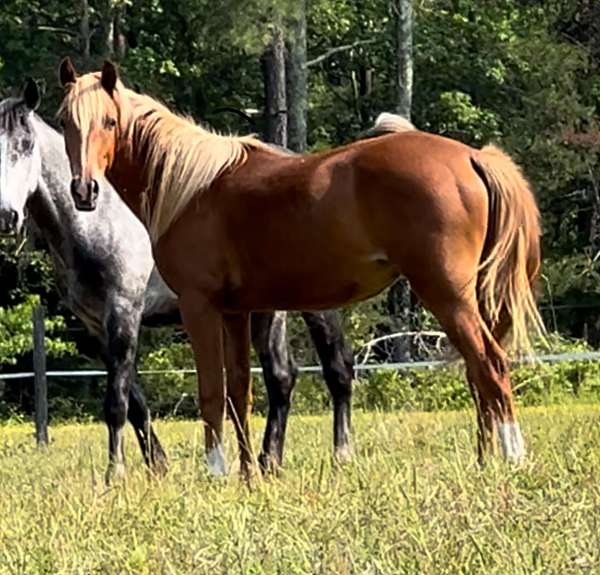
[20,157]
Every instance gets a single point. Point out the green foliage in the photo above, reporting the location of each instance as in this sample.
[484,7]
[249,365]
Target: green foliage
[167,392]
[16,336]
[456,113]
[525,74]
[431,389]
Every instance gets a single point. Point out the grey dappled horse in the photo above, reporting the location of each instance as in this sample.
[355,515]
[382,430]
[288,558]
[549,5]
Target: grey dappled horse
[105,273]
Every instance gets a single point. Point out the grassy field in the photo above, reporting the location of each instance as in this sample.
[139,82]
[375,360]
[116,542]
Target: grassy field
[414,501]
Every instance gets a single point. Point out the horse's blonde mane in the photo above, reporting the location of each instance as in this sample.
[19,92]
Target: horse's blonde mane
[181,158]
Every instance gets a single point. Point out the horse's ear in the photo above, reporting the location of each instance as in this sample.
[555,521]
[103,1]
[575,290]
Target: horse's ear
[66,72]
[31,94]
[109,77]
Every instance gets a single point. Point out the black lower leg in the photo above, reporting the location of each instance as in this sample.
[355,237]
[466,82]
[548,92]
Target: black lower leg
[337,360]
[139,417]
[279,390]
[279,372]
[115,414]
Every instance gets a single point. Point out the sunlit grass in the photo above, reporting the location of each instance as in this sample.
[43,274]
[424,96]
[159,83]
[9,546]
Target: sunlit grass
[413,501]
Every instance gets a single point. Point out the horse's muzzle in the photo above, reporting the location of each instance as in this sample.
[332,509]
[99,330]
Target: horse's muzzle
[84,194]
[9,221]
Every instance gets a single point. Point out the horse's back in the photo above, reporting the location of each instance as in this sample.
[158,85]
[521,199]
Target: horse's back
[277,224]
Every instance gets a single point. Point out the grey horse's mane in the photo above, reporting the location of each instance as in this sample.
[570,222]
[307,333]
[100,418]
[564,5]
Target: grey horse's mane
[10,111]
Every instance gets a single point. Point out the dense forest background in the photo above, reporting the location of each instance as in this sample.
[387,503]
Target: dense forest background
[523,73]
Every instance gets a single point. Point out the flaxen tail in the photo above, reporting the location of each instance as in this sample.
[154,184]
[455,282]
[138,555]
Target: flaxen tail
[511,257]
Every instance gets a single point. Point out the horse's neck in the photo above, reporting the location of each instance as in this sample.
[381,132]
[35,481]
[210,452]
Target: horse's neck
[127,177]
[51,206]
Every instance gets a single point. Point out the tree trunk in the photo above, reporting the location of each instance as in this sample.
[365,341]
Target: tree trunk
[404,55]
[109,39]
[84,30]
[105,41]
[595,223]
[296,77]
[363,87]
[273,64]
[400,302]
[119,31]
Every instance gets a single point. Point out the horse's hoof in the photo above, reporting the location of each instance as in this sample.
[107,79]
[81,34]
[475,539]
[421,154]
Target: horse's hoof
[215,460]
[343,454]
[114,473]
[159,467]
[247,474]
[268,464]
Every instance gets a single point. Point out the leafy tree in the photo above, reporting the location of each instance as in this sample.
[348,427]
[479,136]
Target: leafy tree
[16,337]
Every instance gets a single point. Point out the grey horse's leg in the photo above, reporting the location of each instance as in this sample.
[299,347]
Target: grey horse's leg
[337,360]
[139,417]
[123,398]
[269,339]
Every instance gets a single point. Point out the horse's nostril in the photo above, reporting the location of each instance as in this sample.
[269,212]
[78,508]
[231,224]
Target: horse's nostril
[75,186]
[13,218]
[93,187]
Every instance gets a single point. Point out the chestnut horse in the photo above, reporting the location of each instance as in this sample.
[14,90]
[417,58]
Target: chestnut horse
[238,226]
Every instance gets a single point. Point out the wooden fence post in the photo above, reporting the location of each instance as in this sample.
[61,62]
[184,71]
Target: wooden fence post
[40,382]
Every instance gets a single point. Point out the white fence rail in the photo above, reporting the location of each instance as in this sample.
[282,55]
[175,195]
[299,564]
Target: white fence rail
[546,358]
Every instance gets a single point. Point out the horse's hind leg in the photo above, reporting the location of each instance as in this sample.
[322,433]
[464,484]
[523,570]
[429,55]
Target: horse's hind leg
[486,363]
[337,360]
[269,339]
[139,417]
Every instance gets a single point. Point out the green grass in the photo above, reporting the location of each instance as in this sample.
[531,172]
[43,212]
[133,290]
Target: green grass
[413,501]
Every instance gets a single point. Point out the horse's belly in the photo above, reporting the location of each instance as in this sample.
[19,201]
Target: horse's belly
[324,288]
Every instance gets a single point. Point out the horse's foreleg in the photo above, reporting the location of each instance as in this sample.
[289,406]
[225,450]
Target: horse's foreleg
[337,360]
[122,329]
[270,342]
[121,350]
[204,325]
[239,388]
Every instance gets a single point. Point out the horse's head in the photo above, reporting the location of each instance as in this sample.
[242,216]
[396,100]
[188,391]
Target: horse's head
[20,157]
[90,117]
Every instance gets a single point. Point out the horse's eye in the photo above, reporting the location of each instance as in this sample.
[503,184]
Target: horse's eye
[110,122]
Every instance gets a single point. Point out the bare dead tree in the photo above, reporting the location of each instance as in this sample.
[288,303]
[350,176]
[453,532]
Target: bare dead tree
[85,34]
[273,65]
[401,302]
[296,80]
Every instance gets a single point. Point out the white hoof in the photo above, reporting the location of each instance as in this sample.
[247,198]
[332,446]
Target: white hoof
[511,442]
[215,460]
